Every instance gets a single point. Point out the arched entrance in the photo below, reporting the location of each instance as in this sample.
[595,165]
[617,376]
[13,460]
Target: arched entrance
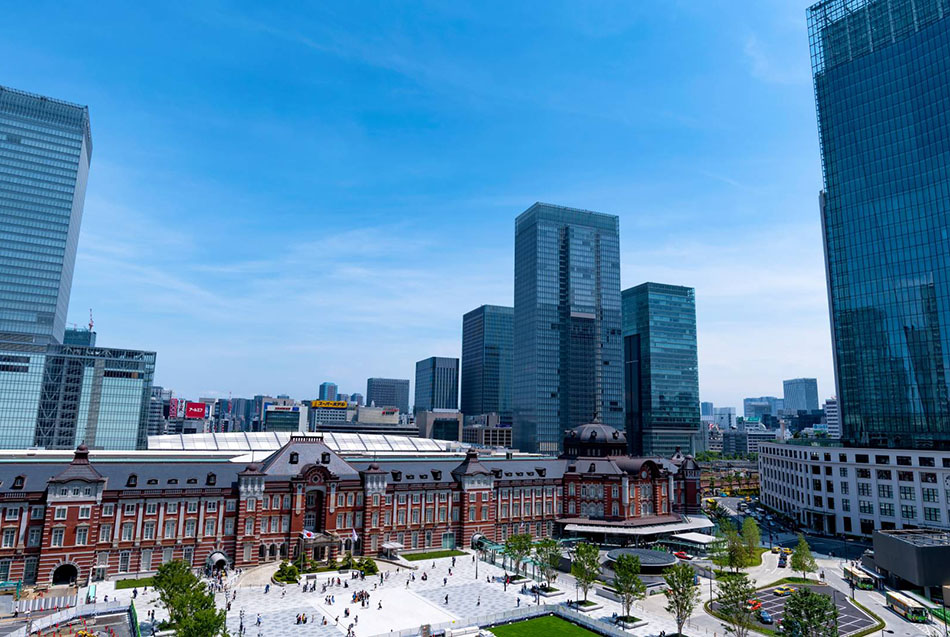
[65,574]
[273,551]
[217,561]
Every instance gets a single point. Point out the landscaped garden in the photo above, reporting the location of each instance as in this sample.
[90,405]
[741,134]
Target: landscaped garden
[548,626]
[134,583]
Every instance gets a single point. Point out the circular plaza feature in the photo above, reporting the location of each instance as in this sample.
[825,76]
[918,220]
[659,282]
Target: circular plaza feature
[651,562]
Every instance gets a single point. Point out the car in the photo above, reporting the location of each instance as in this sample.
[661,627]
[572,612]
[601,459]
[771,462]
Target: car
[782,562]
[787,551]
[776,549]
[753,605]
[683,555]
[782,591]
[765,618]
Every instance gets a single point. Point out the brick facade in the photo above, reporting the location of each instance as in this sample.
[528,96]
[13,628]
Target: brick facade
[87,521]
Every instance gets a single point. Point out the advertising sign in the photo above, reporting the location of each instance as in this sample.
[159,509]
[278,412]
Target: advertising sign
[328,404]
[195,410]
[173,408]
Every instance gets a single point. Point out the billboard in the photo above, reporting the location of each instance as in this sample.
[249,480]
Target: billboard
[172,408]
[328,404]
[195,410]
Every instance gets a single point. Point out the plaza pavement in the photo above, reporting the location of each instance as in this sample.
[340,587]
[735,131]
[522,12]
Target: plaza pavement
[423,602]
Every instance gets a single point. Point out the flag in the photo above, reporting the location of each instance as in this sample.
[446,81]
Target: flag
[308,535]
[355,537]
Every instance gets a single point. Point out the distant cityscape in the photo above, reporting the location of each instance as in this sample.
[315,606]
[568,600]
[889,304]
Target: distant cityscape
[578,406]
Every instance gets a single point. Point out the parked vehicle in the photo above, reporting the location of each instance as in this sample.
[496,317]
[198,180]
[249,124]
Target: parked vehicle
[683,555]
[753,605]
[765,617]
[782,591]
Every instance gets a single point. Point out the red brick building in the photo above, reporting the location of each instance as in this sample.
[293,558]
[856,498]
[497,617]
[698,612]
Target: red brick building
[87,520]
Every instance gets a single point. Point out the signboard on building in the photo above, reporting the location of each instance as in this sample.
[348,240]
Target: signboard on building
[173,408]
[195,410]
[328,404]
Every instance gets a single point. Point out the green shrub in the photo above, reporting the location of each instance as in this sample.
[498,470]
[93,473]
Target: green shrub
[287,573]
[368,566]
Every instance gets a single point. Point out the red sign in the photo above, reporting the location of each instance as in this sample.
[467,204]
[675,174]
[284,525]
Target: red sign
[195,410]
[173,409]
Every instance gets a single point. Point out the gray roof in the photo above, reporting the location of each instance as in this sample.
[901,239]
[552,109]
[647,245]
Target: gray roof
[309,451]
[149,475]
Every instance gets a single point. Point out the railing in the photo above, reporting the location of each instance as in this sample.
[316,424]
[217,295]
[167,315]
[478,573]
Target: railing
[597,625]
[68,615]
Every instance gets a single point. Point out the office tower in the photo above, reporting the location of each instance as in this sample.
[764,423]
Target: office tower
[328,391]
[156,411]
[437,384]
[661,369]
[97,395]
[801,394]
[356,398]
[567,355]
[882,95]
[46,149]
[725,417]
[705,409]
[762,406]
[831,418]
[388,392]
[487,347]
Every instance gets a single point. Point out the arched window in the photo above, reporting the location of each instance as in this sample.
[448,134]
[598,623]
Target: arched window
[211,479]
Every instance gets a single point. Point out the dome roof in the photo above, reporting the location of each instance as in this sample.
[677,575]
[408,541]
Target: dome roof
[597,432]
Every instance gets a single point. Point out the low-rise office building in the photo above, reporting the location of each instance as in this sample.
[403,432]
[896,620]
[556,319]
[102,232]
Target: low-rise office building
[854,491]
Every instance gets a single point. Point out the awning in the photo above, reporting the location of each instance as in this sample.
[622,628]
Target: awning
[693,524]
[695,538]
[392,546]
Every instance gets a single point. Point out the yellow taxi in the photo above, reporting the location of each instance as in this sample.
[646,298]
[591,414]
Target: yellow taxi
[787,551]
[782,591]
[776,549]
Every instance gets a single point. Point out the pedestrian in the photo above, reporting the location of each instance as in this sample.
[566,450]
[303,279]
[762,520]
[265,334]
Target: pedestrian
[446,598]
[479,602]
[258,619]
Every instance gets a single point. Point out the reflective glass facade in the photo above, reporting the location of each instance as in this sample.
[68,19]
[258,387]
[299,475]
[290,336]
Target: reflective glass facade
[45,149]
[487,348]
[567,353]
[661,369]
[388,392]
[437,384]
[882,85]
[801,394]
[95,395]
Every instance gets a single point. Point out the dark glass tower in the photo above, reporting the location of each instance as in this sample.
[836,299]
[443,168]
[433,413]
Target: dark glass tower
[45,149]
[437,384]
[882,88]
[567,354]
[388,392]
[487,344]
[661,369]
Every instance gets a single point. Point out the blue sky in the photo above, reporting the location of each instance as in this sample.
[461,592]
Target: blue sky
[287,194]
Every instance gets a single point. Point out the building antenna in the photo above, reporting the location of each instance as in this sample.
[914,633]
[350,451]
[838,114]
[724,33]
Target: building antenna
[90,319]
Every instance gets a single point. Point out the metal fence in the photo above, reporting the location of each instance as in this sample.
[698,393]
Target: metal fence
[68,615]
[598,626]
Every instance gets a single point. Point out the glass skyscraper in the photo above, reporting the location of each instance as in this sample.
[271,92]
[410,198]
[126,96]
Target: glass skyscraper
[661,369]
[388,392]
[437,384]
[487,348]
[45,149]
[57,389]
[801,394]
[567,352]
[882,87]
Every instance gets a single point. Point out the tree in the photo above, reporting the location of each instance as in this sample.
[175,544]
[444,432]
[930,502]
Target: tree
[548,555]
[518,547]
[802,560]
[734,593]
[585,567]
[810,614]
[730,551]
[627,581]
[682,594]
[751,538]
[717,513]
[191,608]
